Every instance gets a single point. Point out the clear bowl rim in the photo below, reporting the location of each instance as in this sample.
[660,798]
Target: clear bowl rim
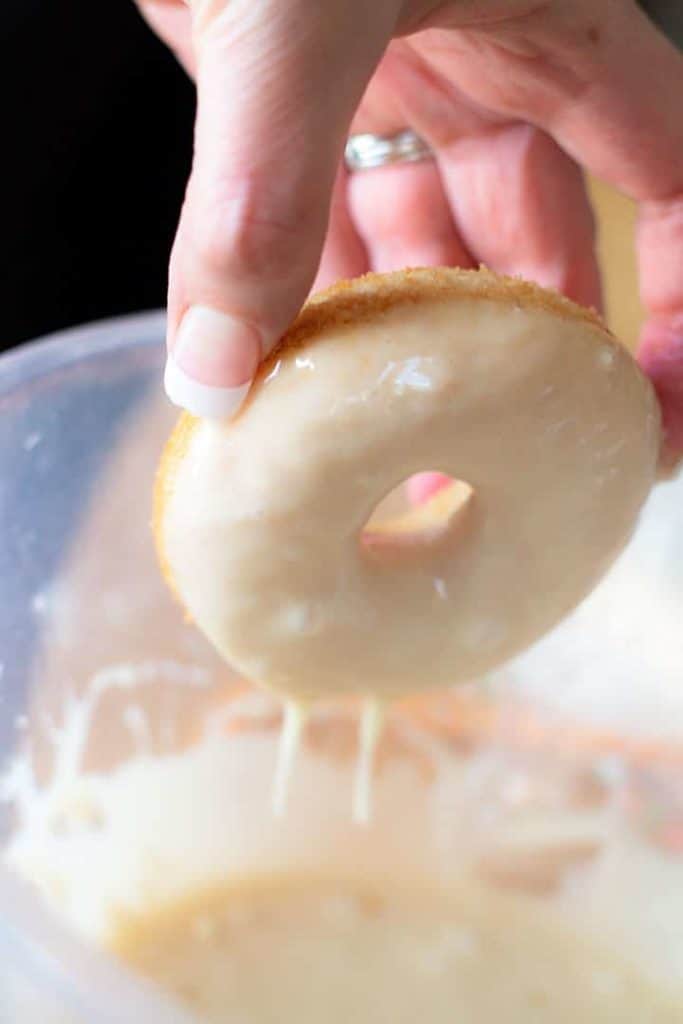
[87,341]
[31,939]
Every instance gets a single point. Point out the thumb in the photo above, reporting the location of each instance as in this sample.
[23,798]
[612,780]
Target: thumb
[277,85]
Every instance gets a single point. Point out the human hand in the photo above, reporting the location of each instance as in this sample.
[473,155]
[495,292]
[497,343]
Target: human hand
[511,95]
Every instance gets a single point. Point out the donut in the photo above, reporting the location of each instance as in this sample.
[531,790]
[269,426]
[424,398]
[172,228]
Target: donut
[524,399]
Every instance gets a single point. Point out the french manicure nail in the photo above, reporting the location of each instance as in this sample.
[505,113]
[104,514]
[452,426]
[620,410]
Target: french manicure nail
[212,363]
[201,399]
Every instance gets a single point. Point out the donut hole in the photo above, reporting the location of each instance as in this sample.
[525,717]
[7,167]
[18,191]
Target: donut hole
[417,514]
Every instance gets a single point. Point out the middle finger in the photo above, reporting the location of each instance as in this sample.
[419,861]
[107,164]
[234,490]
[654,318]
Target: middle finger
[404,219]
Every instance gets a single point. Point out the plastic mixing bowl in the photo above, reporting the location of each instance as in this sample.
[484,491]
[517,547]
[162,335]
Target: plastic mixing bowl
[559,779]
[62,402]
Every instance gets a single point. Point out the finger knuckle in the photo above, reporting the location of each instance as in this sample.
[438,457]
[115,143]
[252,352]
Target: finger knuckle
[244,233]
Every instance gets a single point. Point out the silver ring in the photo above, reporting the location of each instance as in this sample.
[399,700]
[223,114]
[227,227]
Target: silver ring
[367,150]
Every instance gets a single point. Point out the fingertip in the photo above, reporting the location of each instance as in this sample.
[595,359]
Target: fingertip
[212,362]
[216,348]
[202,400]
[424,486]
[660,356]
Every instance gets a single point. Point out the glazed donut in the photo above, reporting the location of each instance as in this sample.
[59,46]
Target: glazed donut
[512,390]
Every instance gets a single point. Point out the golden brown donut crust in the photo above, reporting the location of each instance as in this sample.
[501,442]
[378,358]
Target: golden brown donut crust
[352,303]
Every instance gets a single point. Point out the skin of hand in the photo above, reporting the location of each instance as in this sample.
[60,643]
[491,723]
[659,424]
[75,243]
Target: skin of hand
[513,96]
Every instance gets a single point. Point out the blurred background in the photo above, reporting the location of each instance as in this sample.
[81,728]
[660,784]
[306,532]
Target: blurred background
[97,125]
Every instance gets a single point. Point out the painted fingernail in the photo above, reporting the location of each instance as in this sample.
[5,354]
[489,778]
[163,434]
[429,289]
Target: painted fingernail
[212,363]
[424,486]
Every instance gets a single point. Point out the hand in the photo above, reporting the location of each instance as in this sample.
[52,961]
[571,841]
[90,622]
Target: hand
[512,95]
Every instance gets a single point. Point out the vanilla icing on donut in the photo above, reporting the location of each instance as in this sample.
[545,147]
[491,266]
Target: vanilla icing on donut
[522,395]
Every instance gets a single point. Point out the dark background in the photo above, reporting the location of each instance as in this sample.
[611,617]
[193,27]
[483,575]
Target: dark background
[95,144]
[94,153]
